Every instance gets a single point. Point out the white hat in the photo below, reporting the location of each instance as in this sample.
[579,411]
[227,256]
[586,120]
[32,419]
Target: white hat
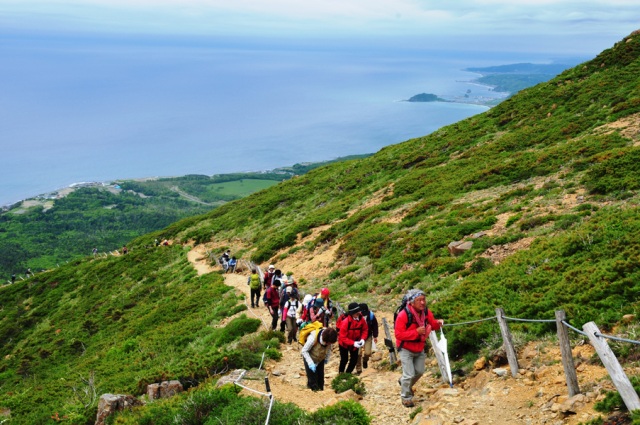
[271,266]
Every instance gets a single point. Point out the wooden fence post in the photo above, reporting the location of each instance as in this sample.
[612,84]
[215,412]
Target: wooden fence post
[439,357]
[388,341]
[618,377]
[567,356]
[508,342]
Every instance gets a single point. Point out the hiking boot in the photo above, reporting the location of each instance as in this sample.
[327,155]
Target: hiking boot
[365,364]
[408,403]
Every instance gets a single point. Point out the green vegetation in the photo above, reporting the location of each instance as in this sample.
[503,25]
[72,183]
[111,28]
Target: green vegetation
[210,405]
[347,381]
[425,97]
[53,232]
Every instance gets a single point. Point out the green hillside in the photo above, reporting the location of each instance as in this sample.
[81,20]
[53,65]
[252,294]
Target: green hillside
[545,185]
[510,173]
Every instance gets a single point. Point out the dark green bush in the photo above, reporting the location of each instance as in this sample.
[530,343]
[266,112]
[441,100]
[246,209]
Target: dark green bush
[348,381]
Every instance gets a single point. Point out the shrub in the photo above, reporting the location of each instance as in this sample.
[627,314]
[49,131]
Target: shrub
[344,412]
[346,381]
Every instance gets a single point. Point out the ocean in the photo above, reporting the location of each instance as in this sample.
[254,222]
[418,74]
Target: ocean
[78,109]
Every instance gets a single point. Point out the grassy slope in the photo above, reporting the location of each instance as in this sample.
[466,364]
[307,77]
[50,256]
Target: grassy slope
[394,213]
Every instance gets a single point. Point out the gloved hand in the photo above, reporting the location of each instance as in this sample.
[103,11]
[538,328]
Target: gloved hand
[299,321]
[358,344]
[312,367]
[362,343]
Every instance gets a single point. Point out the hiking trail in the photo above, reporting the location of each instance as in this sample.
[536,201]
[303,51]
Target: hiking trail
[482,397]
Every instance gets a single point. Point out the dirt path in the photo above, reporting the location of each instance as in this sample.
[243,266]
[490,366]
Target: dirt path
[482,398]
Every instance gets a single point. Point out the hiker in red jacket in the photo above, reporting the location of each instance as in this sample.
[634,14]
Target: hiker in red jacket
[272,296]
[412,327]
[352,332]
[268,276]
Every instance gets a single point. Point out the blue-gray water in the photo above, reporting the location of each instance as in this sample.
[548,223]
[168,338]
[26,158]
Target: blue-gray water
[97,109]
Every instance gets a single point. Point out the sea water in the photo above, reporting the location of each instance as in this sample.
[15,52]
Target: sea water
[76,109]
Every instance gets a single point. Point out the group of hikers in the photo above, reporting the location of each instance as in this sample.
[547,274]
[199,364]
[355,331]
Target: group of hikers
[355,330]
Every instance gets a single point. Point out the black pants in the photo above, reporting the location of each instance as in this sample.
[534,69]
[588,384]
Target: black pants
[348,355]
[315,380]
[256,293]
[273,311]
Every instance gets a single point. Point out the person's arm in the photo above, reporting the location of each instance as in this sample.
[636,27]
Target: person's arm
[311,340]
[374,328]
[435,324]
[342,334]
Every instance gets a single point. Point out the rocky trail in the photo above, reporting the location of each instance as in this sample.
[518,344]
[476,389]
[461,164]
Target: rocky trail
[485,396]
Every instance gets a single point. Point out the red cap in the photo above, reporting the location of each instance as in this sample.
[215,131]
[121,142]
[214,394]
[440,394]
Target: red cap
[324,292]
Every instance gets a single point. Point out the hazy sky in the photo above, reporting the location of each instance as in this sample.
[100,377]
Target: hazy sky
[553,23]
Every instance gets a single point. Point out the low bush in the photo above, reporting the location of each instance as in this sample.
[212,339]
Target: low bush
[347,381]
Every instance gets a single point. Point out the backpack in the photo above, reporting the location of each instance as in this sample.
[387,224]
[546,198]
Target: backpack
[403,306]
[339,320]
[306,329]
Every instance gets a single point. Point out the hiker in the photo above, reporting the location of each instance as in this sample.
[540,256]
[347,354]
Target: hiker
[13,278]
[364,353]
[412,326]
[352,331]
[272,301]
[224,260]
[289,311]
[268,276]
[231,266]
[316,353]
[124,250]
[28,273]
[95,251]
[302,315]
[254,285]
[324,309]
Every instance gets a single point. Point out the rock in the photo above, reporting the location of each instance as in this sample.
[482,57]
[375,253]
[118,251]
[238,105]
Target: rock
[479,235]
[111,403]
[349,395]
[480,364]
[459,247]
[500,371]
[231,377]
[164,389]
[277,373]
[628,318]
[571,405]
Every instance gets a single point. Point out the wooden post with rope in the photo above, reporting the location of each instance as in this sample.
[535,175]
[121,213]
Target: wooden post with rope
[618,377]
[508,342]
[567,356]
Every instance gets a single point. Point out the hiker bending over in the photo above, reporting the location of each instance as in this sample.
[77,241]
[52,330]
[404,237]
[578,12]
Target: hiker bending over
[412,327]
[372,336]
[316,353]
[272,301]
[352,331]
[255,285]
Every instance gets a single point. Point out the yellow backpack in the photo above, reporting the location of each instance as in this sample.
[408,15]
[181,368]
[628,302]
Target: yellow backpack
[306,329]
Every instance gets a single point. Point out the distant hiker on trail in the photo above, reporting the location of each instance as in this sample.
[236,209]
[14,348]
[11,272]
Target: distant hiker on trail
[224,260]
[13,278]
[231,266]
[124,249]
[352,331]
[364,353]
[95,251]
[289,314]
[268,276]
[316,353]
[28,273]
[272,300]
[254,285]
[412,326]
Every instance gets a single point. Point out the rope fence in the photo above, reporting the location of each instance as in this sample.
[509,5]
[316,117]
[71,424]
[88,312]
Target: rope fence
[590,330]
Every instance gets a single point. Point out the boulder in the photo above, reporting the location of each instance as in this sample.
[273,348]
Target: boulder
[164,389]
[459,247]
[480,364]
[231,377]
[111,403]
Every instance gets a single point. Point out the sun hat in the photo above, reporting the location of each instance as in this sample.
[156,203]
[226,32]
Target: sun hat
[353,308]
[272,267]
